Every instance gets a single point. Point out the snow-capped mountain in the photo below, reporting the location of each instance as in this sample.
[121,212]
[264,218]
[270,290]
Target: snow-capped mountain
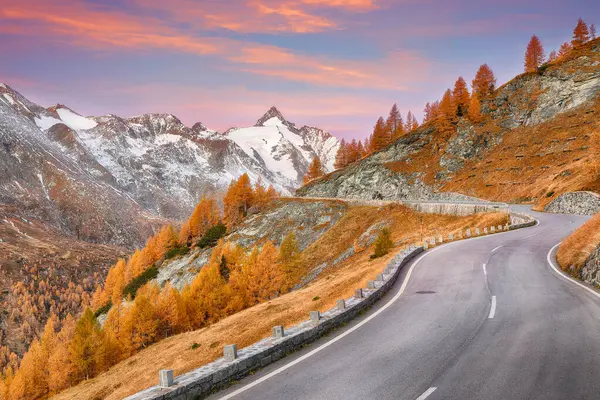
[151,162]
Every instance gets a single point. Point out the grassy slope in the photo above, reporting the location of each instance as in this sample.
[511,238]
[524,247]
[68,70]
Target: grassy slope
[575,249]
[140,371]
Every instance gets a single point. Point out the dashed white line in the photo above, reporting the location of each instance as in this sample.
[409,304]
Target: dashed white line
[493,308]
[497,248]
[530,236]
[484,269]
[427,393]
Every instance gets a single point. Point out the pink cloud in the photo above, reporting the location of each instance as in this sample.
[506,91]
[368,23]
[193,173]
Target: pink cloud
[101,28]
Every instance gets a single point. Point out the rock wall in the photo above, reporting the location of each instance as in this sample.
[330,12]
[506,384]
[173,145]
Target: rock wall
[590,272]
[580,203]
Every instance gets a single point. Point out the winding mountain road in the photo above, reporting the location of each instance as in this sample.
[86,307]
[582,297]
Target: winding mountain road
[487,318]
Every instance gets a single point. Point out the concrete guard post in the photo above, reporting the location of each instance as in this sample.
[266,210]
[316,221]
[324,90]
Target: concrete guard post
[278,332]
[165,378]
[358,294]
[315,316]
[341,304]
[230,352]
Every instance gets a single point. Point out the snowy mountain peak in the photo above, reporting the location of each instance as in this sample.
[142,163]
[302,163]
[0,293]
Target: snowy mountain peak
[269,116]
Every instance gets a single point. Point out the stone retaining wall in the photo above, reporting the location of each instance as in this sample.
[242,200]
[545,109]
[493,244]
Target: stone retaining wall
[580,203]
[204,380]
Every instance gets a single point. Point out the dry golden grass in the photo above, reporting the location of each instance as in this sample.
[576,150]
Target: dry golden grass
[575,249]
[253,324]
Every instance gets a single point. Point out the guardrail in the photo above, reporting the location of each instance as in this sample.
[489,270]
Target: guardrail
[235,364]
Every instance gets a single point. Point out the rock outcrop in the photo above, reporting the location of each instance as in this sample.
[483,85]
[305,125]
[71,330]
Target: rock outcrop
[457,155]
[590,272]
[580,203]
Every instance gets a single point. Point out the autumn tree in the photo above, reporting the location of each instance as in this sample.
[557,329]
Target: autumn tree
[394,125]
[140,326]
[461,97]
[265,275]
[564,49]
[207,214]
[592,31]
[581,34]
[341,157]
[411,122]
[475,109]
[380,137]
[383,243]
[61,372]
[484,82]
[289,257]
[85,344]
[534,56]
[447,108]
[431,111]
[315,170]
[552,56]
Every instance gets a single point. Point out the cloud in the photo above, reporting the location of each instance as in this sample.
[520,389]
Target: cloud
[94,27]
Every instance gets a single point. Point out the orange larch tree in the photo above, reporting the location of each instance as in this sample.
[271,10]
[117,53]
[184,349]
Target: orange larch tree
[534,55]
[394,124]
[592,31]
[552,56]
[484,82]
[581,34]
[564,49]
[341,157]
[447,108]
[461,97]
[315,170]
[475,109]
[380,137]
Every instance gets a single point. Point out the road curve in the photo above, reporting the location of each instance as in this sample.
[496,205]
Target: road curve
[486,318]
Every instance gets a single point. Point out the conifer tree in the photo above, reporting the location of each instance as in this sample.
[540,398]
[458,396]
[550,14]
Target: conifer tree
[552,56]
[60,369]
[85,344]
[341,157]
[289,257]
[564,49]
[475,109]
[461,97]
[484,82]
[394,124]
[315,170]
[534,56]
[581,34]
[140,326]
[383,243]
[592,31]
[380,137]
[447,108]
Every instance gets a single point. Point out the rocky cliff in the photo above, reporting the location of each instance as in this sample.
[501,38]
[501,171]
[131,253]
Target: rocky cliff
[581,203]
[538,136]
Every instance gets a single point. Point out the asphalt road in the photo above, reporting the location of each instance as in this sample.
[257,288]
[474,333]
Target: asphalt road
[514,329]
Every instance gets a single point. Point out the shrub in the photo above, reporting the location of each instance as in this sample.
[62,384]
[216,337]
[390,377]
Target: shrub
[139,281]
[195,346]
[212,235]
[550,194]
[104,309]
[383,243]
[177,251]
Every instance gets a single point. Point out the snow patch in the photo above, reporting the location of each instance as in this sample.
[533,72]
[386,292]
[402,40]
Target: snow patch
[275,121]
[44,122]
[9,98]
[2,85]
[43,186]
[75,121]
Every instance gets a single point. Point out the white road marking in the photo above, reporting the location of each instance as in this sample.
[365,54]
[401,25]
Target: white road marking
[566,277]
[426,393]
[349,331]
[496,248]
[484,269]
[530,236]
[332,341]
[493,309]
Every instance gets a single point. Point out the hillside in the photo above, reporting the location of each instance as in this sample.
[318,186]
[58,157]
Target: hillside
[336,240]
[538,138]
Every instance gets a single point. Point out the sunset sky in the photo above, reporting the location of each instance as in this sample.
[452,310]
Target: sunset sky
[335,64]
